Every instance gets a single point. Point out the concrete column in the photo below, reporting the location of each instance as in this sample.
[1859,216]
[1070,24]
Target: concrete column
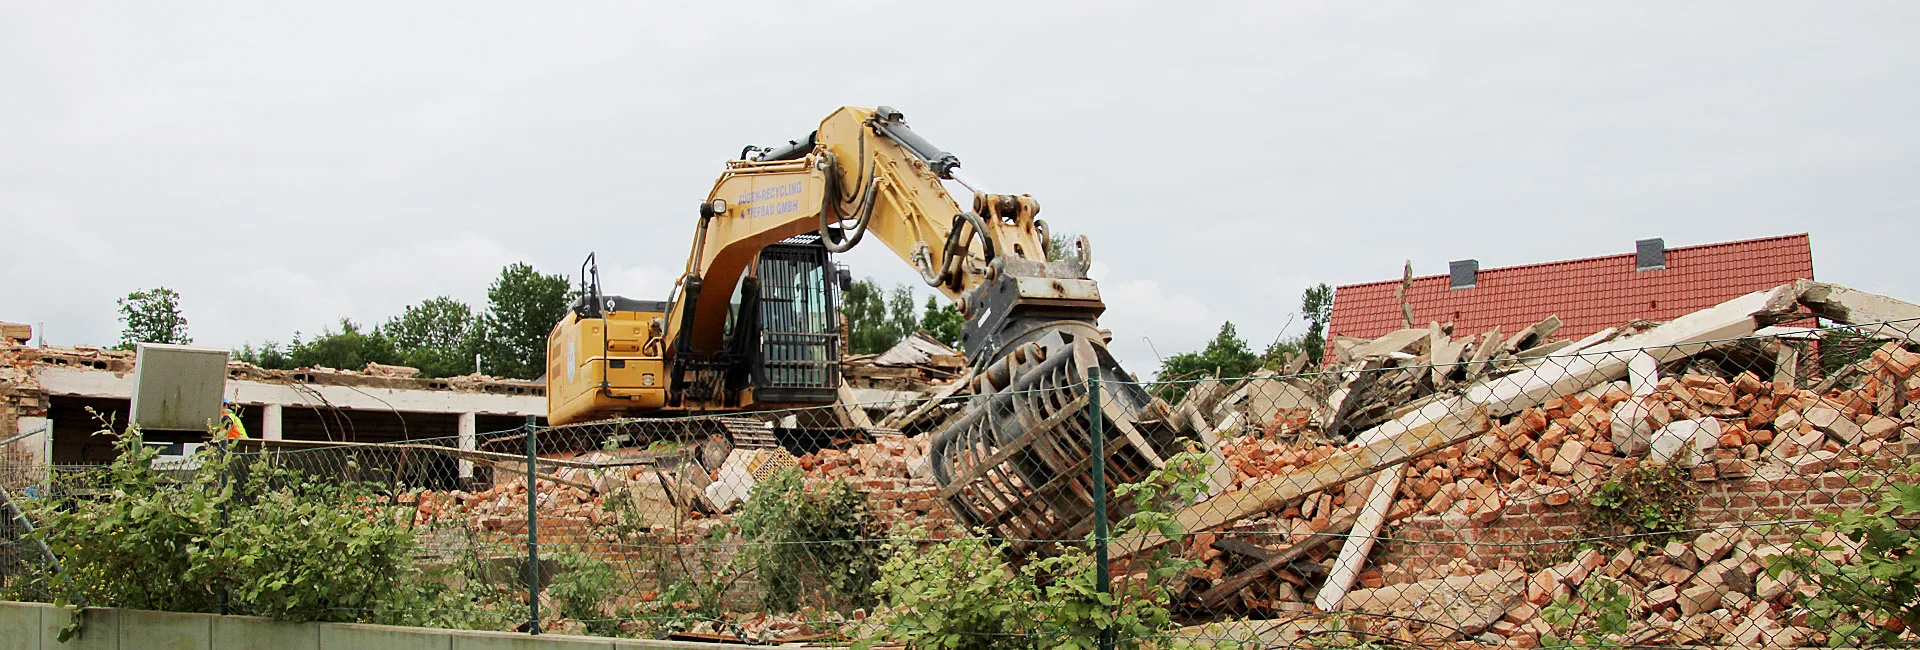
[270,422]
[466,444]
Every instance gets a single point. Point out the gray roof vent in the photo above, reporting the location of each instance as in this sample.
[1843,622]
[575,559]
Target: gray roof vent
[1463,274]
[1650,254]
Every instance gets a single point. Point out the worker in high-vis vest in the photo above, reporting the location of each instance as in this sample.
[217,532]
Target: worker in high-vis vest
[230,426]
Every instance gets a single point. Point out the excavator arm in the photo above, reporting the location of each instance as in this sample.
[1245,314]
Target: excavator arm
[1015,462]
[865,173]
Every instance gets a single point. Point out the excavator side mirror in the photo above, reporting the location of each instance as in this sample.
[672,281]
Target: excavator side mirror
[843,276]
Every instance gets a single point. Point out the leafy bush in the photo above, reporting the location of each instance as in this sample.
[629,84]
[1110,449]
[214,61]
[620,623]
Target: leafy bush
[963,594]
[1599,612]
[245,536]
[1648,503]
[582,588]
[1870,599]
[817,542]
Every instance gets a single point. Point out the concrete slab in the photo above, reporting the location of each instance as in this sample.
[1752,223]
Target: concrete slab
[523,641]
[251,633]
[165,630]
[20,625]
[383,637]
[100,632]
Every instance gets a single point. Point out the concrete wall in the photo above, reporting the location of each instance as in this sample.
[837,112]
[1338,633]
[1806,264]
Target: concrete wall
[93,383]
[35,626]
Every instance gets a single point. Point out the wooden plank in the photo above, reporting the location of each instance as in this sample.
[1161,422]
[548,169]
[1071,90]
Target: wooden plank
[921,409]
[1342,466]
[16,331]
[1227,588]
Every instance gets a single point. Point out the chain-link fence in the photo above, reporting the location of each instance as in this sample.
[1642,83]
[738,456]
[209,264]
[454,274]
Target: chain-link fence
[1655,487]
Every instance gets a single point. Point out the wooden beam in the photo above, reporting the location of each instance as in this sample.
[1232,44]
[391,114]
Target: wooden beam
[1341,467]
[917,410]
[1218,593]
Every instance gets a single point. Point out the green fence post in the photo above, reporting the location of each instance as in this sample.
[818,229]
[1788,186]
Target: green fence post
[228,492]
[1097,444]
[533,531]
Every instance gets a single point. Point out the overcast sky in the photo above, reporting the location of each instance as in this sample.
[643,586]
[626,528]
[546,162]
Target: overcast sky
[286,164]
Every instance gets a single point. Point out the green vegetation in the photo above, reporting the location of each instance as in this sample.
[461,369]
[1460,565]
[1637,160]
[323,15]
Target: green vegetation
[152,316]
[876,319]
[1866,595]
[810,545]
[441,336]
[965,595]
[942,321]
[1593,617]
[1316,304]
[522,307]
[247,537]
[1646,504]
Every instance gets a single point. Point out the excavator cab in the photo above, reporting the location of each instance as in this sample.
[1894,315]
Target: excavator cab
[798,360]
[607,356]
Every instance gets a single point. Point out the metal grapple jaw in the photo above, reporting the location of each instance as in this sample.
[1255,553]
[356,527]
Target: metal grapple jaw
[1016,464]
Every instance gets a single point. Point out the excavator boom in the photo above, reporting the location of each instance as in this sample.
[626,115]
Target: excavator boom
[1016,461]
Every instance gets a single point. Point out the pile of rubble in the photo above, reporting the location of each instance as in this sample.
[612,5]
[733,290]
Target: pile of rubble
[1503,448]
[893,472]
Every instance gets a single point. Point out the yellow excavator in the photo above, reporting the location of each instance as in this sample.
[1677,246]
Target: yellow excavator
[751,324]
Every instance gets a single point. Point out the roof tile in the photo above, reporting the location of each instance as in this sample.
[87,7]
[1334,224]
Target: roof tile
[1588,294]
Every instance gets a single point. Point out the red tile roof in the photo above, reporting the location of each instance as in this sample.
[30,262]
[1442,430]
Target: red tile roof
[1588,295]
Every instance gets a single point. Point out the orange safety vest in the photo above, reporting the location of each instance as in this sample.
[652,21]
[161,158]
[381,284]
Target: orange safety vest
[230,426]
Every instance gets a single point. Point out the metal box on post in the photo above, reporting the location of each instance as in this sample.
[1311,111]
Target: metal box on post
[177,387]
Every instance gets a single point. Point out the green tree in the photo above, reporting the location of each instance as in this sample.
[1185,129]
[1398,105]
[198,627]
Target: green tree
[268,355]
[943,321]
[522,307]
[1059,246]
[435,336]
[1316,304]
[1278,351]
[347,349]
[152,316]
[1227,355]
[875,319]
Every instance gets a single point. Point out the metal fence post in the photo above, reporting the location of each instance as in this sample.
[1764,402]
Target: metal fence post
[228,492]
[1098,447]
[533,530]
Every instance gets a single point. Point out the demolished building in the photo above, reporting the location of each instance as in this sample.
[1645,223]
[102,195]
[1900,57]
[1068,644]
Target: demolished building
[1434,483]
